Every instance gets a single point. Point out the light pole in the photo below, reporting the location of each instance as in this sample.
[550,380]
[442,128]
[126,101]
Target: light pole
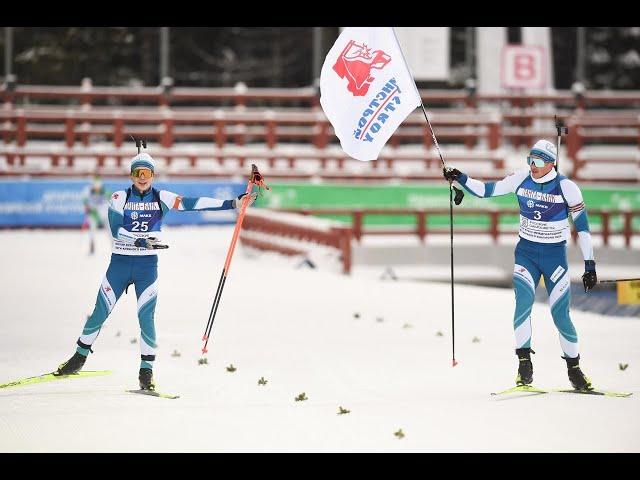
[8,52]
[164,53]
[317,55]
[580,54]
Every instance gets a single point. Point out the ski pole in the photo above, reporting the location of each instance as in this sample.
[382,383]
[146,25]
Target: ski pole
[254,179]
[453,316]
[619,280]
[458,199]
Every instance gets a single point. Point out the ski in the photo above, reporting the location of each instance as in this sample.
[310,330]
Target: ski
[153,393]
[606,393]
[49,377]
[521,389]
[535,390]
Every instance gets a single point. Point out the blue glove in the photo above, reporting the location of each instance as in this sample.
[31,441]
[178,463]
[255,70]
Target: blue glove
[589,278]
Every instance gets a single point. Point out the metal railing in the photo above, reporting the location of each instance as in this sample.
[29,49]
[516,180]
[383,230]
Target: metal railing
[421,229]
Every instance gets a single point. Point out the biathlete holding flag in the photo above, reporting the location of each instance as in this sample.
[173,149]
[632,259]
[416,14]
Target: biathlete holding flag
[546,199]
[134,216]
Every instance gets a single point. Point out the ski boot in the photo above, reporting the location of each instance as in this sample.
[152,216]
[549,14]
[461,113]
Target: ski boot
[71,366]
[145,378]
[578,379]
[525,367]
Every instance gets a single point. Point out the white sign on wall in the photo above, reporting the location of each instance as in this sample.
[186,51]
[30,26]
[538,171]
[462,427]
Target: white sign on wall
[523,66]
[426,50]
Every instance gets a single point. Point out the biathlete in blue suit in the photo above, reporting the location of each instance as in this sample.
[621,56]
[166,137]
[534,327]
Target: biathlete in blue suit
[546,200]
[135,217]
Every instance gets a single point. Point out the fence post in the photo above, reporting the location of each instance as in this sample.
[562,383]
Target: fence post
[389,161]
[421,218]
[221,137]
[322,131]
[573,145]
[357,224]
[427,137]
[628,216]
[69,134]
[118,130]
[493,216]
[21,134]
[494,132]
[271,130]
[344,235]
[271,160]
[604,215]
[167,133]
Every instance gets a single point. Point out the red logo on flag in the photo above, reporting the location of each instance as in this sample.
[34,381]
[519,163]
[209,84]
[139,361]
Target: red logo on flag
[107,289]
[355,62]
[115,195]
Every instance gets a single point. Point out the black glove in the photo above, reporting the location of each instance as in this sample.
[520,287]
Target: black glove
[589,278]
[150,243]
[451,174]
[237,202]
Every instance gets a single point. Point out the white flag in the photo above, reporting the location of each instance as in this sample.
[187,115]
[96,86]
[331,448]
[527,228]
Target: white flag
[366,90]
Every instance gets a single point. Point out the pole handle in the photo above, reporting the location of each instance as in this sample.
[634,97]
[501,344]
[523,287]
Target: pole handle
[256,177]
[560,126]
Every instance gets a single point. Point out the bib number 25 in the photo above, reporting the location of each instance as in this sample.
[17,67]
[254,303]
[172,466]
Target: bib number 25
[139,226]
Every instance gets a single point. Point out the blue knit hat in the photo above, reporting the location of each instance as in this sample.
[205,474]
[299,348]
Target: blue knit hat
[143,160]
[545,150]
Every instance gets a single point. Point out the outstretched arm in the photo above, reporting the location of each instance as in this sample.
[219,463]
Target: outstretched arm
[172,201]
[486,189]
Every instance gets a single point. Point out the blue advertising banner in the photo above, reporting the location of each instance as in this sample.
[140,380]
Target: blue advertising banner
[50,203]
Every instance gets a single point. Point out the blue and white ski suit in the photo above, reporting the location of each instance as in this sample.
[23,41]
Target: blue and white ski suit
[134,215]
[545,205]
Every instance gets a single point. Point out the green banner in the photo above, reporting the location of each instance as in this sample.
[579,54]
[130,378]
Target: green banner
[428,196]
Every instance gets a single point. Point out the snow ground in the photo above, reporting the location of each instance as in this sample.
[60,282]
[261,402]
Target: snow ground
[297,329]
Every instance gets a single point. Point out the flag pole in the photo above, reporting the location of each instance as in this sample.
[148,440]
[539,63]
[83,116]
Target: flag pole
[459,195]
[406,65]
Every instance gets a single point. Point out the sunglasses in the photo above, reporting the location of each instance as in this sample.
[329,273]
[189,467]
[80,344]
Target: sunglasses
[537,161]
[139,171]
